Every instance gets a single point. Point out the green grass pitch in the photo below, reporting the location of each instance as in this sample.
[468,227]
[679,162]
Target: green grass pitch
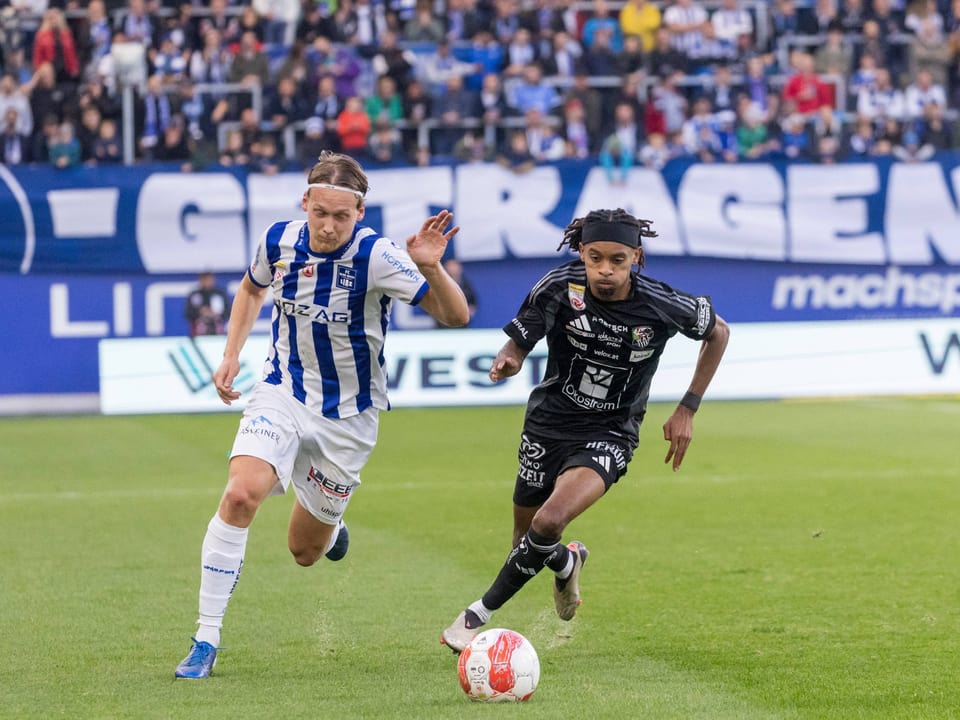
[803,563]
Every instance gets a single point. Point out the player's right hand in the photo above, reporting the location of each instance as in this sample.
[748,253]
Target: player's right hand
[223,380]
[503,367]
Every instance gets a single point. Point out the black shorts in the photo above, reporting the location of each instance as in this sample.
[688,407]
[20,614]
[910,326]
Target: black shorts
[543,460]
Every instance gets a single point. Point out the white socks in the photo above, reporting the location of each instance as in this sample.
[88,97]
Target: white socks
[333,537]
[568,568]
[481,611]
[220,562]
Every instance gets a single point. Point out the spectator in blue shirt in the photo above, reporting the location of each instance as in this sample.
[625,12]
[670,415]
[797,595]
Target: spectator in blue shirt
[601,19]
[533,94]
[486,54]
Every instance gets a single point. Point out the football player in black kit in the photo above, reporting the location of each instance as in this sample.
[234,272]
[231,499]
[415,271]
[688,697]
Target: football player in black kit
[606,326]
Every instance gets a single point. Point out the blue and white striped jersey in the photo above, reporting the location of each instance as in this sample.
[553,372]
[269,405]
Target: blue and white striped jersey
[330,314]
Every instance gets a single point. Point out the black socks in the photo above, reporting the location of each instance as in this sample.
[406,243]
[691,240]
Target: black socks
[530,556]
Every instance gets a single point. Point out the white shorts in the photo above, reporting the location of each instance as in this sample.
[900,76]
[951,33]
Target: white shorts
[321,456]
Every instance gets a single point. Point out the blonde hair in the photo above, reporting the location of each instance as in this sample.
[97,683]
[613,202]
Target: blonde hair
[338,169]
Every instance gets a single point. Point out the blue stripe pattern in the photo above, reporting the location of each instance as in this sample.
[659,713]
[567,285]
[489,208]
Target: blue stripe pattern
[420,293]
[273,255]
[385,303]
[321,343]
[290,282]
[324,297]
[358,333]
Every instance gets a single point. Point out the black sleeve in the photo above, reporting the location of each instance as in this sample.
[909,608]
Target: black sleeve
[691,315]
[535,317]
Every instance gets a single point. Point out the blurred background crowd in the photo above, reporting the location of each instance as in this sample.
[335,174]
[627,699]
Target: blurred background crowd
[268,84]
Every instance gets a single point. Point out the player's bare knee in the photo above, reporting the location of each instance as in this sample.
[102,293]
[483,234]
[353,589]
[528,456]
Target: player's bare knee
[305,557]
[238,504]
[549,523]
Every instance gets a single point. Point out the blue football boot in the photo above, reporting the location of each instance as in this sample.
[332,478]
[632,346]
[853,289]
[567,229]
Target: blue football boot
[199,662]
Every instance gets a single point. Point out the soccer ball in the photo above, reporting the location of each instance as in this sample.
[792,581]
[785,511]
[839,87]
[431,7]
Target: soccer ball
[499,666]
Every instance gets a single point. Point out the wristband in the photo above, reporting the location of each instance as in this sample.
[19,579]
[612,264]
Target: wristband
[691,401]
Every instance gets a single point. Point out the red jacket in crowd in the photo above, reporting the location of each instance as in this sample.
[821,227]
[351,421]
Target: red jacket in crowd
[45,50]
[808,92]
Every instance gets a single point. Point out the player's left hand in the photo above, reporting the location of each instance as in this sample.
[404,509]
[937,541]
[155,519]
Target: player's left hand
[678,431]
[426,248]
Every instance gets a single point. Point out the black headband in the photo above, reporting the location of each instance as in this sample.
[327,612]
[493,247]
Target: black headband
[611,232]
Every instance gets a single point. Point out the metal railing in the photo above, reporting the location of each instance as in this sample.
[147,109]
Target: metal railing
[290,132]
[128,100]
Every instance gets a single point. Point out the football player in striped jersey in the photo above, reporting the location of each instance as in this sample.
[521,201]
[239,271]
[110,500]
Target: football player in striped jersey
[311,421]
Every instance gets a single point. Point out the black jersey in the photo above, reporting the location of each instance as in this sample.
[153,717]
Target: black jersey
[601,355]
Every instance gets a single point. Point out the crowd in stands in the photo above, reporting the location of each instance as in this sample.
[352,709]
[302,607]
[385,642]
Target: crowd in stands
[268,84]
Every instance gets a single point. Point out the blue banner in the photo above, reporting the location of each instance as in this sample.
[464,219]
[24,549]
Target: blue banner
[93,253]
[155,221]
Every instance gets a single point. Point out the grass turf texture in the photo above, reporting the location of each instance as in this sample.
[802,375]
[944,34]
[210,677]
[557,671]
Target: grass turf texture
[802,564]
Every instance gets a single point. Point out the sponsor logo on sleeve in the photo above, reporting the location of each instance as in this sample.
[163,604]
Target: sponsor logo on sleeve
[520,328]
[703,315]
[400,266]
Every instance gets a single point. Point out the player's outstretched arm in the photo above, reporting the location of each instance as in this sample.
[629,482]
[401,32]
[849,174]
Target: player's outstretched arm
[508,361]
[444,300]
[243,314]
[678,429]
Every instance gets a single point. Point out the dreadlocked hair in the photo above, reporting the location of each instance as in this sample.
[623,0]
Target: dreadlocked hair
[574,231]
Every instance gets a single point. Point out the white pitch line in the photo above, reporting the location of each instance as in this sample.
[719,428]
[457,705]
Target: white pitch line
[77,495]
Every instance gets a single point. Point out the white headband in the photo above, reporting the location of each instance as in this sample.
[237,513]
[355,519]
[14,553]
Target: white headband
[327,186]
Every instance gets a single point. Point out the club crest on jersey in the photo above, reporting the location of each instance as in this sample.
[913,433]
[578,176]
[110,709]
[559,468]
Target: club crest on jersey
[308,270]
[346,277]
[576,293]
[642,336]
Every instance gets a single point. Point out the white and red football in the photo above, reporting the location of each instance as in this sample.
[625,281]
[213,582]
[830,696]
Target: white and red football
[499,665]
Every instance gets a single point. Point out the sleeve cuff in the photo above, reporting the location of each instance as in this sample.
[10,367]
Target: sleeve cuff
[420,293]
[254,280]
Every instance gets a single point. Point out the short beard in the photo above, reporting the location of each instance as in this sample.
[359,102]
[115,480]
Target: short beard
[604,293]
